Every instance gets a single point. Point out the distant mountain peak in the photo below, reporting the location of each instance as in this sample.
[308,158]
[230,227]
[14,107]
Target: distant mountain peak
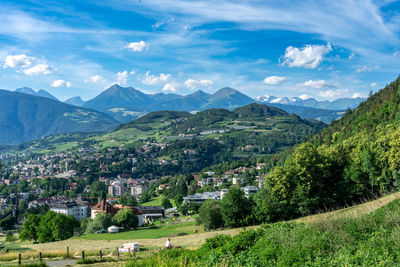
[30,91]
[75,100]
[308,101]
[26,90]
[226,91]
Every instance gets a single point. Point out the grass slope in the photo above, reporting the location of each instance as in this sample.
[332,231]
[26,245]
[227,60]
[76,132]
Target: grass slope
[195,240]
[367,240]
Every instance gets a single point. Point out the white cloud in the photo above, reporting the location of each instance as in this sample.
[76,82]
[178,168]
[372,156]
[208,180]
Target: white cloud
[357,95]
[317,84]
[274,80]
[96,79]
[39,69]
[121,78]
[138,46]
[150,79]
[25,64]
[374,84]
[60,83]
[171,87]
[365,68]
[310,56]
[193,84]
[351,56]
[333,93]
[304,97]
[22,61]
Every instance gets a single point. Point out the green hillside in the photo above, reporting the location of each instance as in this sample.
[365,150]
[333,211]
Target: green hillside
[356,157]
[251,131]
[368,240]
[26,117]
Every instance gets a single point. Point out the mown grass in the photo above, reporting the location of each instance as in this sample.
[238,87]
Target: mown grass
[367,240]
[157,231]
[156,201]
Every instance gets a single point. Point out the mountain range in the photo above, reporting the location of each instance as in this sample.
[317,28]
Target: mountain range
[25,117]
[127,103]
[338,104]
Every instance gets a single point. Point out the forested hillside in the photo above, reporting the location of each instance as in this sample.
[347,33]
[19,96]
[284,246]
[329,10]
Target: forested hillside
[356,157]
[25,117]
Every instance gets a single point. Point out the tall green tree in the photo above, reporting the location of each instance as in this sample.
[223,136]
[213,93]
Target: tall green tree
[210,215]
[30,228]
[235,207]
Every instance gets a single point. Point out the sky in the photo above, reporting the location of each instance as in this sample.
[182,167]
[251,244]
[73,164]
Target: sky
[320,49]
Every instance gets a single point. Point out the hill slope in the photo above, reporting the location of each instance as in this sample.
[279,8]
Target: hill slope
[354,158]
[26,117]
[251,131]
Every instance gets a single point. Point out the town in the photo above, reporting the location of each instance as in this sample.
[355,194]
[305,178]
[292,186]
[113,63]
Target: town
[64,183]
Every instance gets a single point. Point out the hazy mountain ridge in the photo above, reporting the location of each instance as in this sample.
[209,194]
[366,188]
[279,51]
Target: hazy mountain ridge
[40,92]
[25,117]
[337,104]
[76,101]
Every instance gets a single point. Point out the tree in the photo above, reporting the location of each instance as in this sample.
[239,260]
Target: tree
[55,227]
[126,218]
[62,226]
[10,237]
[178,199]
[98,188]
[166,203]
[210,215]
[146,196]
[101,221]
[30,228]
[235,207]
[127,200]
[7,223]
[184,208]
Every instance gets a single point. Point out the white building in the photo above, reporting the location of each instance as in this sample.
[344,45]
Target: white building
[78,208]
[138,190]
[116,189]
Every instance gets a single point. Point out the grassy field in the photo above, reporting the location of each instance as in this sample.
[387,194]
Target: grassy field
[156,201]
[157,231]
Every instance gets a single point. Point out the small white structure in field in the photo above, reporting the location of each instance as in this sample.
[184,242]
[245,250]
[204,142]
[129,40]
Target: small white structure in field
[128,247]
[113,229]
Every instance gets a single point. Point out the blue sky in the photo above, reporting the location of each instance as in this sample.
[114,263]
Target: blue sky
[321,49]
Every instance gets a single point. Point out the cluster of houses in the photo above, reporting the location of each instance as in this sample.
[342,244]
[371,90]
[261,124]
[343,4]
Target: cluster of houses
[81,209]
